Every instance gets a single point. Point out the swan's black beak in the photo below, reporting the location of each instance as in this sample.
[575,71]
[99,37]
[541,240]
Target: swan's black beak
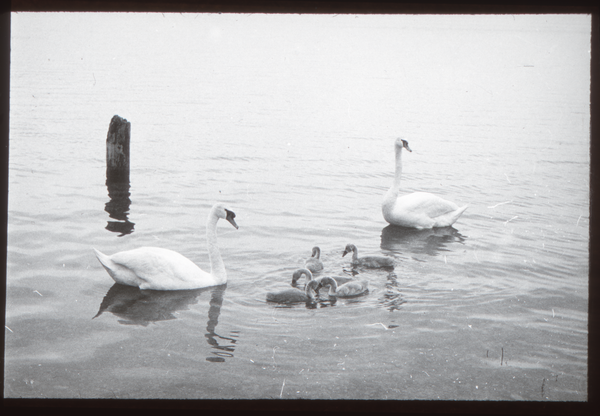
[405,144]
[344,253]
[230,217]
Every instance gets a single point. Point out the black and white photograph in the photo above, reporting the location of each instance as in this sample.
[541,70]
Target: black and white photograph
[280,206]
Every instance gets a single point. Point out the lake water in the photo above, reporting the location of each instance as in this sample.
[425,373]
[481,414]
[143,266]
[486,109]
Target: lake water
[290,120]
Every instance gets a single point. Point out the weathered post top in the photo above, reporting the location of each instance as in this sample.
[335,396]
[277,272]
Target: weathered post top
[117,150]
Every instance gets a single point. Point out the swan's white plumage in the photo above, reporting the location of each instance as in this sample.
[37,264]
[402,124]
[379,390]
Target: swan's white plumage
[154,268]
[417,210]
[162,269]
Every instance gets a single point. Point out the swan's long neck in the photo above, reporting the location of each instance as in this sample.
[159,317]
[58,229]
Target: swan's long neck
[308,274]
[332,285]
[398,174]
[298,274]
[392,194]
[217,267]
[311,289]
[354,254]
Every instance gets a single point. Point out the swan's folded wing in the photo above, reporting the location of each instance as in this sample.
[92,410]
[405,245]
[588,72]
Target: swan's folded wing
[377,261]
[286,296]
[314,265]
[159,268]
[424,202]
[352,288]
[342,279]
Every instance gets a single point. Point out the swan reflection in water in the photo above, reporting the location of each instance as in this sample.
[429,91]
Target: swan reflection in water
[401,240]
[318,302]
[392,298]
[142,307]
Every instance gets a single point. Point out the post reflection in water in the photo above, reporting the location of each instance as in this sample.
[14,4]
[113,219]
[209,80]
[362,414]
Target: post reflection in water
[118,208]
[142,307]
[401,240]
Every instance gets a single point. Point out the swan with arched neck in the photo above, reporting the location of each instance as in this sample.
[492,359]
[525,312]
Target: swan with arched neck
[162,269]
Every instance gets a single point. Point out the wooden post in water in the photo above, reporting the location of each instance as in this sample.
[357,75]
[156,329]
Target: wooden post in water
[117,176]
[117,150]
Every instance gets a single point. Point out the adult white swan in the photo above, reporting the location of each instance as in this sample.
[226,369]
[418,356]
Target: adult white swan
[420,209]
[162,269]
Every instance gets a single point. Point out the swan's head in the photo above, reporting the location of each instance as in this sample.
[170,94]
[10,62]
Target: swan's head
[349,248]
[401,143]
[298,274]
[220,211]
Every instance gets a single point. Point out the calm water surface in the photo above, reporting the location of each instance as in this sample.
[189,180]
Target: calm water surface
[295,134]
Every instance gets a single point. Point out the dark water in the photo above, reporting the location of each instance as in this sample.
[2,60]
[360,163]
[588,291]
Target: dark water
[295,133]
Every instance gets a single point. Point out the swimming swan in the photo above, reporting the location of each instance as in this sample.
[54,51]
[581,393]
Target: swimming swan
[298,275]
[372,262]
[295,295]
[417,210]
[314,264]
[161,269]
[354,288]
